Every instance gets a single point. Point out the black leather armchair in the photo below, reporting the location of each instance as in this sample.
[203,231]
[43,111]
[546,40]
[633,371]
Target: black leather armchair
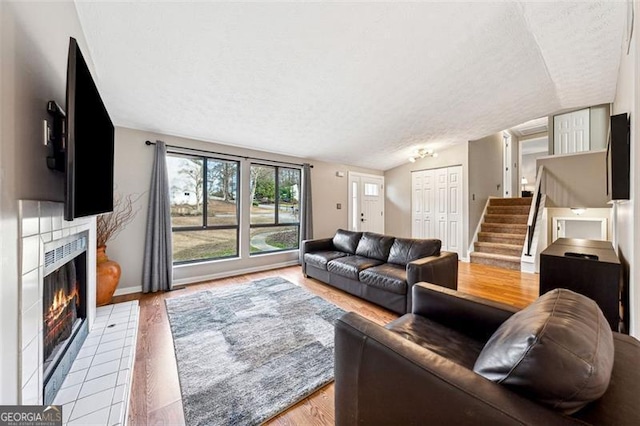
[419,370]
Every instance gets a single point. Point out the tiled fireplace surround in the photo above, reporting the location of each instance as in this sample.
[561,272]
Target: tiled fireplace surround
[105,362]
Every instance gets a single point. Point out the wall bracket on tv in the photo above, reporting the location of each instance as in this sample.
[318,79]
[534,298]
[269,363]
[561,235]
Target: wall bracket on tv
[56,137]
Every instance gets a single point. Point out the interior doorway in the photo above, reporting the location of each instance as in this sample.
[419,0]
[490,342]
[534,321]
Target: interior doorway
[530,150]
[508,166]
[366,203]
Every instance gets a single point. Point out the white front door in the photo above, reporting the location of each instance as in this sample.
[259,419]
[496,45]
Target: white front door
[571,132]
[366,203]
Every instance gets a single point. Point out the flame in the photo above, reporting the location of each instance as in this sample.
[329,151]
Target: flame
[60,302]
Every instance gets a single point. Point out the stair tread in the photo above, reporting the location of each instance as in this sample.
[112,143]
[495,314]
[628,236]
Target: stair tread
[518,239]
[495,256]
[498,234]
[517,225]
[502,245]
[514,229]
[510,201]
[508,209]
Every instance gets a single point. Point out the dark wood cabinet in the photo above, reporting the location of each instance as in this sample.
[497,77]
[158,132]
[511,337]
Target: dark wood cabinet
[588,267]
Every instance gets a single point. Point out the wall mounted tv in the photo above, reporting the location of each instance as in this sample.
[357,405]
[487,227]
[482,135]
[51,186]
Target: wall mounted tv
[83,142]
[618,158]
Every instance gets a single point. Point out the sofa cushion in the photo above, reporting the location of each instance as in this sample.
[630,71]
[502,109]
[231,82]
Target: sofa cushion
[392,278]
[375,246]
[558,350]
[438,338]
[350,266]
[319,259]
[404,250]
[346,241]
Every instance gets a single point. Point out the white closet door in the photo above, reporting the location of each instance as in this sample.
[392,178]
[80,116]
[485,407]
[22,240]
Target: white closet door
[571,132]
[428,203]
[441,206]
[422,204]
[454,209]
[416,204]
[436,206]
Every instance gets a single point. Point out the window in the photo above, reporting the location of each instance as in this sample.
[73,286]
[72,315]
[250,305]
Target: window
[204,207]
[275,208]
[371,190]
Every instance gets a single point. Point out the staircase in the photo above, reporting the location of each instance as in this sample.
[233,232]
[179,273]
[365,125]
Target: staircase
[502,233]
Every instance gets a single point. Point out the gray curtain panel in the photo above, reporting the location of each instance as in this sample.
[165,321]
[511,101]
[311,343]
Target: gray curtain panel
[306,217]
[157,272]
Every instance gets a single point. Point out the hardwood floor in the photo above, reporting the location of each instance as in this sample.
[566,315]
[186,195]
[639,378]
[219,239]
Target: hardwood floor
[155,394]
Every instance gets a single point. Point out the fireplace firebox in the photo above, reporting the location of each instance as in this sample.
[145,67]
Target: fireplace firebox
[64,309]
[63,306]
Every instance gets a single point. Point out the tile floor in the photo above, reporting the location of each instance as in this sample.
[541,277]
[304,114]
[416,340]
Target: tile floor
[96,390]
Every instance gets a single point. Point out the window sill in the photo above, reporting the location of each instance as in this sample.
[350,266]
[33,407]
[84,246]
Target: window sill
[273,253]
[206,262]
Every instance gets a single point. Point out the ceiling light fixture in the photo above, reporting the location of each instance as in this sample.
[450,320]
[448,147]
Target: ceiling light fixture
[422,153]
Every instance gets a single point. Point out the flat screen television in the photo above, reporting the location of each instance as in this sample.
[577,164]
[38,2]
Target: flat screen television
[619,158]
[84,150]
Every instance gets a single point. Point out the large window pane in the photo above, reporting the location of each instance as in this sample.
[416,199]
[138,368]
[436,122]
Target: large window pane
[274,238]
[198,185]
[288,195]
[263,194]
[185,185]
[275,212]
[222,189]
[206,244]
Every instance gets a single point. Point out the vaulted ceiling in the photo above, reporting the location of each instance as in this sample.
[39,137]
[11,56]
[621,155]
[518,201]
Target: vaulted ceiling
[362,83]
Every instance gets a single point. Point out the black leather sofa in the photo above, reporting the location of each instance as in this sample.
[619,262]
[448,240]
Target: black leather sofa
[378,268]
[423,367]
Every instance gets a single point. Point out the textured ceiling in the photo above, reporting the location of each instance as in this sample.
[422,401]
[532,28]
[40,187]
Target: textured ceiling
[364,84]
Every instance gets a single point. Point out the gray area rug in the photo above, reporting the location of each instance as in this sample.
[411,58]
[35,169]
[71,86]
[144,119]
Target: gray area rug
[247,352]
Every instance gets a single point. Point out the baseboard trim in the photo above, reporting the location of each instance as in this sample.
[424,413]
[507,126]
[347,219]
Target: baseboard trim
[209,277]
[235,272]
[127,290]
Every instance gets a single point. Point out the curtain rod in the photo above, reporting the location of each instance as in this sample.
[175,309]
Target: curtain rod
[231,155]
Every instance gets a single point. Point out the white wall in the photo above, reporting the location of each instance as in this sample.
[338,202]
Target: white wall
[576,180]
[398,190]
[485,176]
[528,169]
[628,218]
[35,42]
[133,165]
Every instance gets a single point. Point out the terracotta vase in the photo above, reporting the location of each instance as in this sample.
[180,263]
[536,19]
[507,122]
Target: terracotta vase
[108,276]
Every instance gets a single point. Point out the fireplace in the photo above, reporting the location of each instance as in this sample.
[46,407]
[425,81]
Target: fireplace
[64,309]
